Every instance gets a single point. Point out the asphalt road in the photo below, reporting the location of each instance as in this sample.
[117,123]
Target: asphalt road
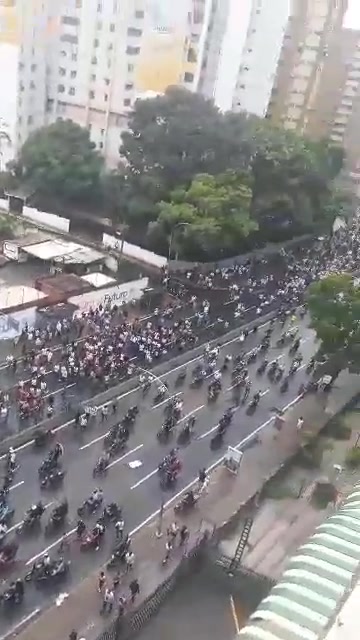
[138,489]
[80,390]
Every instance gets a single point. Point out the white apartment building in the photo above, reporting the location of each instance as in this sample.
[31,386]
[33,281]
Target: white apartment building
[89,60]
[242,54]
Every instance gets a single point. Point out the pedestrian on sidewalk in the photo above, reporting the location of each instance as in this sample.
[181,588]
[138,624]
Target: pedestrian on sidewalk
[168,550]
[114,407]
[119,529]
[108,601]
[202,477]
[300,423]
[116,580]
[104,413]
[134,589]
[73,635]
[172,532]
[184,535]
[121,606]
[101,581]
[130,560]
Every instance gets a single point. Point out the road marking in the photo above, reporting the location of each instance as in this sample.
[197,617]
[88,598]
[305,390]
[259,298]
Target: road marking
[127,393]
[176,496]
[89,444]
[149,475]
[191,413]
[14,629]
[168,399]
[18,484]
[140,446]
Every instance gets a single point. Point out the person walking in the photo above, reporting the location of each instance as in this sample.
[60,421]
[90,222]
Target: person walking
[134,589]
[101,581]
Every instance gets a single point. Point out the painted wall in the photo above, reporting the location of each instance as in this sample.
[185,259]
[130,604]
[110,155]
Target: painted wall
[115,295]
[133,251]
[47,219]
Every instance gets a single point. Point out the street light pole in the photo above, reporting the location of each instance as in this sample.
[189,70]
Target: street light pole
[159,532]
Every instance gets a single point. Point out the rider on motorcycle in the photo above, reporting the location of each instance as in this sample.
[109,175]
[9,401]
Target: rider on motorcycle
[103,461]
[11,459]
[57,452]
[36,510]
[96,496]
[60,511]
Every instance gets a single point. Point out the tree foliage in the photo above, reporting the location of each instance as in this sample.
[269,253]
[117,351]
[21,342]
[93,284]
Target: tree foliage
[60,160]
[180,135]
[213,215]
[334,304]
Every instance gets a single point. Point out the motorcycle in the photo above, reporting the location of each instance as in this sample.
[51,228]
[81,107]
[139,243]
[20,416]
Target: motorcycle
[187,502]
[31,520]
[7,556]
[91,540]
[117,446]
[6,513]
[55,522]
[187,431]
[11,597]
[89,506]
[284,385]
[52,480]
[112,512]
[180,379]
[40,572]
[118,555]
[101,467]
[49,465]
[262,368]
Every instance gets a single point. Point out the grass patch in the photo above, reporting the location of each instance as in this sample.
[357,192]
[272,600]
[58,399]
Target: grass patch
[352,459]
[338,429]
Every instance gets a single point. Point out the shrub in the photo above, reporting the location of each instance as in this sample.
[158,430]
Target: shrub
[353,457]
[338,429]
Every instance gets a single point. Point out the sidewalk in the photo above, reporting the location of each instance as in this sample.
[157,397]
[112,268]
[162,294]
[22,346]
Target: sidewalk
[218,509]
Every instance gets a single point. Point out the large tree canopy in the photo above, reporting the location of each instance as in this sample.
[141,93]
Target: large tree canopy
[179,135]
[212,216]
[334,304]
[61,161]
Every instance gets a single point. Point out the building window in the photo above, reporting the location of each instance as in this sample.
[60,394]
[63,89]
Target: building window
[67,37]
[101,145]
[127,102]
[132,51]
[106,97]
[99,25]
[93,77]
[107,81]
[191,56]
[110,46]
[99,7]
[188,77]
[129,86]
[61,88]
[33,67]
[112,27]
[96,42]
[73,74]
[78,4]
[132,31]
[72,91]
[63,54]
[69,20]
[74,57]
[94,60]
[139,15]
[91,94]
[62,71]
[130,68]
[32,85]
[102,131]
[30,120]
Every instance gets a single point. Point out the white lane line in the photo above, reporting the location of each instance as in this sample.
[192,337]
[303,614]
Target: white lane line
[19,624]
[168,399]
[89,444]
[18,484]
[174,497]
[127,393]
[191,413]
[149,475]
[213,466]
[140,446]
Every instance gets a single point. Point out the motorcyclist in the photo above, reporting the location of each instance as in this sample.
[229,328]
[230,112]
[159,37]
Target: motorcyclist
[36,510]
[189,498]
[256,397]
[96,496]
[60,511]
[9,551]
[80,528]
[57,452]
[3,530]
[19,589]
[11,459]
[103,461]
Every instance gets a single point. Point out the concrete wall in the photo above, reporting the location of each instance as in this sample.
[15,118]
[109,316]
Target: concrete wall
[47,219]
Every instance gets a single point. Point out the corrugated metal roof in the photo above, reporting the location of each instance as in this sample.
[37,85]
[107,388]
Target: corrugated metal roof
[306,600]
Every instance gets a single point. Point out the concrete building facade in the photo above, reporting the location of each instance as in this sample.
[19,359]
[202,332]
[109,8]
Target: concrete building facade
[297,94]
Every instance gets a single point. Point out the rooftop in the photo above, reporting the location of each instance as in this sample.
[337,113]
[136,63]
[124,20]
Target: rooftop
[316,583]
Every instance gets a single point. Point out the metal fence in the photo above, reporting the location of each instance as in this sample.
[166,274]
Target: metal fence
[126,626]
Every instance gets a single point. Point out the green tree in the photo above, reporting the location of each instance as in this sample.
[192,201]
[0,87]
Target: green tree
[292,182]
[334,305]
[60,160]
[171,139]
[213,216]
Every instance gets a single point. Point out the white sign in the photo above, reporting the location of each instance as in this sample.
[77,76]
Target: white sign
[232,459]
[111,296]
[11,250]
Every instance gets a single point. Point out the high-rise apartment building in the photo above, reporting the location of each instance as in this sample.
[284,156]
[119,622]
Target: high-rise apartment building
[298,90]
[88,60]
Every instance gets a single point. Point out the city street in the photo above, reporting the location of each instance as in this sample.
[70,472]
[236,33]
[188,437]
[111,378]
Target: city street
[79,390]
[138,489]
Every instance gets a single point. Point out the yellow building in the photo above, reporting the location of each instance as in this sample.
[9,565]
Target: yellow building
[9,22]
